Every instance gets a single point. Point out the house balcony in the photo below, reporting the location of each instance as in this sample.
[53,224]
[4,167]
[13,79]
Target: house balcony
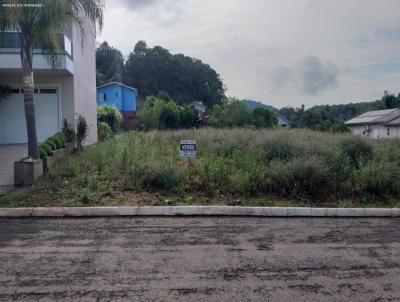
[10,59]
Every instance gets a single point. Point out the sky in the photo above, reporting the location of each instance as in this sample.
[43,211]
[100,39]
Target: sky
[279,52]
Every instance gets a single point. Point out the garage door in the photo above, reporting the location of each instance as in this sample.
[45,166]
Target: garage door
[12,116]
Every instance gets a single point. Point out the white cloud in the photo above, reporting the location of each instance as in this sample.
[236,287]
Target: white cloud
[322,46]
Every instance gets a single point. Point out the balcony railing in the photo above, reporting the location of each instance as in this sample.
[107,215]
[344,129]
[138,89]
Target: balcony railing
[11,42]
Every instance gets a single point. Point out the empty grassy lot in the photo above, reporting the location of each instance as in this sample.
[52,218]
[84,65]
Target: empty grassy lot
[233,166]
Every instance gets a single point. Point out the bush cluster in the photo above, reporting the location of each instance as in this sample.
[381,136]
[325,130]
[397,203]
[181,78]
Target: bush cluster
[68,131]
[162,113]
[53,143]
[111,116]
[82,130]
[234,113]
[104,131]
[296,164]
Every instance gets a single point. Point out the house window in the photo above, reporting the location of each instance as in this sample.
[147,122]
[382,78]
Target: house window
[103,96]
[116,94]
[388,131]
[48,91]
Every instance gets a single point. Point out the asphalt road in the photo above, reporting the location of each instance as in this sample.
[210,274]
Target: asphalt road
[199,259]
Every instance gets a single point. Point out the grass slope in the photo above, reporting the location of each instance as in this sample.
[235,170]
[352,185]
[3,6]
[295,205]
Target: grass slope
[233,166]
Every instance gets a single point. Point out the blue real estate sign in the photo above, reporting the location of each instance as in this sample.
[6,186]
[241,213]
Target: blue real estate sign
[188,148]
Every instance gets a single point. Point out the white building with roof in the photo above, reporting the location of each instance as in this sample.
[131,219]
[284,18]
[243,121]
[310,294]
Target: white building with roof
[376,124]
[199,106]
[282,121]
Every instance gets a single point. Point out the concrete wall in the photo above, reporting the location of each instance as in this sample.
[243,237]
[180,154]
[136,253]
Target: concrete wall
[84,80]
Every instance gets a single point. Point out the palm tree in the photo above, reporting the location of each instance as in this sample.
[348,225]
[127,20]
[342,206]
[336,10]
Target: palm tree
[39,23]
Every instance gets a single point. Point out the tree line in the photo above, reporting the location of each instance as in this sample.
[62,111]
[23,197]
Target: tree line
[329,117]
[183,79]
[151,70]
[162,112]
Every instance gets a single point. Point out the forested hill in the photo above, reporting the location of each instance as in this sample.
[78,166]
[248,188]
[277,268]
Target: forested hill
[251,104]
[342,112]
[347,111]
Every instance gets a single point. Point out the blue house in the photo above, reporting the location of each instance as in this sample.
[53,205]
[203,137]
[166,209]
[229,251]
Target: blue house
[119,95]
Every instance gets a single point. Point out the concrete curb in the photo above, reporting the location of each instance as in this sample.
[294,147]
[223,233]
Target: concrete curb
[197,211]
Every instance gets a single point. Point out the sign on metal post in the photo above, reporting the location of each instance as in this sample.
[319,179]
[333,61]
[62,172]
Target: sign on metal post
[188,148]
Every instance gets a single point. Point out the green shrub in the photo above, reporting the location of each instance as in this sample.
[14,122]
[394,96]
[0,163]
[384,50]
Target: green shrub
[233,113]
[82,131]
[300,177]
[85,195]
[61,136]
[380,178]
[104,131]
[159,113]
[51,143]
[57,141]
[295,164]
[42,152]
[263,118]
[169,117]
[213,173]
[241,182]
[357,149]
[155,175]
[45,150]
[281,148]
[189,117]
[340,167]
[68,131]
[111,116]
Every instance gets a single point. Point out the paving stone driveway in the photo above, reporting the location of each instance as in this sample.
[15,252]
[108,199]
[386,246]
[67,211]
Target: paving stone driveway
[9,154]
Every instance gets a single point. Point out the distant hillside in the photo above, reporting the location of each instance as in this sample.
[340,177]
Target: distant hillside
[345,112]
[251,104]
[342,112]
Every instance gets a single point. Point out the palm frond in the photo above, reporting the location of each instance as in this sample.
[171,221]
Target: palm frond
[44,23]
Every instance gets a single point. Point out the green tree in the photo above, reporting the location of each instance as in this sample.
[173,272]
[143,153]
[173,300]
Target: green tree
[169,116]
[232,113]
[263,118]
[189,117]
[100,78]
[111,116]
[390,101]
[110,63]
[40,26]
[159,114]
[338,127]
[140,48]
[185,79]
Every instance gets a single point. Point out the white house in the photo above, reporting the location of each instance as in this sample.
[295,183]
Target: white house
[376,124]
[282,121]
[60,94]
[199,106]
